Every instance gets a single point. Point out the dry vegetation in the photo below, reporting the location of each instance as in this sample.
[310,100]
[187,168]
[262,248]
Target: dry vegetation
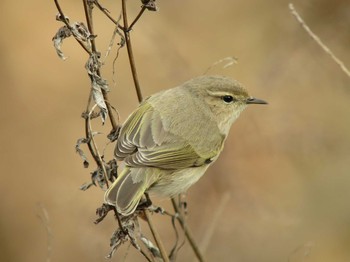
[279,191]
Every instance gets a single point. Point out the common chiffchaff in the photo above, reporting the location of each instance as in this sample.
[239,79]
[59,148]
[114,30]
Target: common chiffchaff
[171,139]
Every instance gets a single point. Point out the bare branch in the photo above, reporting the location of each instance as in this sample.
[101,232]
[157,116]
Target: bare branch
[137,18]
[106,12]
[318,40]
[188,232]
[88,14]
[130,52]
[156,237]
[91,136]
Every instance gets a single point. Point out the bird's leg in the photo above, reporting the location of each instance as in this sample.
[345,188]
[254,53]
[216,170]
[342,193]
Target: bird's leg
[183,203]
[145,202]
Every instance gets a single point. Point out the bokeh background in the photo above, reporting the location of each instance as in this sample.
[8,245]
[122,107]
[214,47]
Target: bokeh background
[280,190]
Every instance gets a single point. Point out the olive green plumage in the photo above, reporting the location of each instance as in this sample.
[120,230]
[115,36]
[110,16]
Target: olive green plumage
[170,140]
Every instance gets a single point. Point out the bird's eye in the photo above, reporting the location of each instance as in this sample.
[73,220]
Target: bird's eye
[227,99]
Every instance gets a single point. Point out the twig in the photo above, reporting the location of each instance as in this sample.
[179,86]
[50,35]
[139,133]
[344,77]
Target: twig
[188,232]
[130,52]
[93,47]
[104,10]
[318,40]
[87,134]
[156,236]
[137,18]
[91,136]
[95,152]
[139,96]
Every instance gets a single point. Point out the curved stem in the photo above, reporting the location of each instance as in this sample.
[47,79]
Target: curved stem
[139,96]
[103,10]
[187,231]
[88,15]
[156,237]
[137,18]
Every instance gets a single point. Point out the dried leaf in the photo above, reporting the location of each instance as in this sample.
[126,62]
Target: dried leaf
[86,186]
[114,134]
[62,19]
[81,152]
[150,5]
[93,64]
[130,229]
[112,169]
[150,246]
[81,32]
[98,178]
[62,33]
[102,212]
[97,95]
[97,83]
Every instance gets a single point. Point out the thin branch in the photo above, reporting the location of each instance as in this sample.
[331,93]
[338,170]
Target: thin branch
[156,236]
[95,152]
[318,40]
[188,232]
[137,18]
[88,15]
[139,96]
[101,164]
[130,52]
[105,11]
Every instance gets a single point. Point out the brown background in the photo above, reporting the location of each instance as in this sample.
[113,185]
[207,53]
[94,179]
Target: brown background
[285,167]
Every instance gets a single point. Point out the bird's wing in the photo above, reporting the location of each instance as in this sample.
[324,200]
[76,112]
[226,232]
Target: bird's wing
[143,141]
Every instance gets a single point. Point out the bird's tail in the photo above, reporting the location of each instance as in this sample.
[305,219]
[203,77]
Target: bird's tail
[126,191]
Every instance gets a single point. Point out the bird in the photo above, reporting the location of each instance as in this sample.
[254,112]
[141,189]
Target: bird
[172,138]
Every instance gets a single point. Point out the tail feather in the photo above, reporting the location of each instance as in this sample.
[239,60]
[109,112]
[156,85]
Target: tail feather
[125,193]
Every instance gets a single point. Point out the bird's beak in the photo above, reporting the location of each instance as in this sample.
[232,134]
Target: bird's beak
[253,100]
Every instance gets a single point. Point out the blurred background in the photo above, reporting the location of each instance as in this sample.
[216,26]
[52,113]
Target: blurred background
[279,191]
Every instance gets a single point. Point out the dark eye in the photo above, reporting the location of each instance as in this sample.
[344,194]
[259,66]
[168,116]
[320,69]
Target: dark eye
[227,99]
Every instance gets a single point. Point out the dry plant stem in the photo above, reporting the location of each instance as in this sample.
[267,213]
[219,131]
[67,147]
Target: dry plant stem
[318,40]
[139,96]
[87,110]
[95,153]
[103,10]
[87,131]
[68,25]
[130,52]
[187,231]
[137,18]
[156,237]
[93,46]
[95,147]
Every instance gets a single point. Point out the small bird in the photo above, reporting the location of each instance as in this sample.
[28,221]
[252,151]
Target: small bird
[171,139]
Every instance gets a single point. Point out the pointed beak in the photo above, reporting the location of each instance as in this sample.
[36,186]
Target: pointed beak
[253,100]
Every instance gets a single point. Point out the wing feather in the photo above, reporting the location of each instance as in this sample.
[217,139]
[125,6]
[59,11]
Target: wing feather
[143,141]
